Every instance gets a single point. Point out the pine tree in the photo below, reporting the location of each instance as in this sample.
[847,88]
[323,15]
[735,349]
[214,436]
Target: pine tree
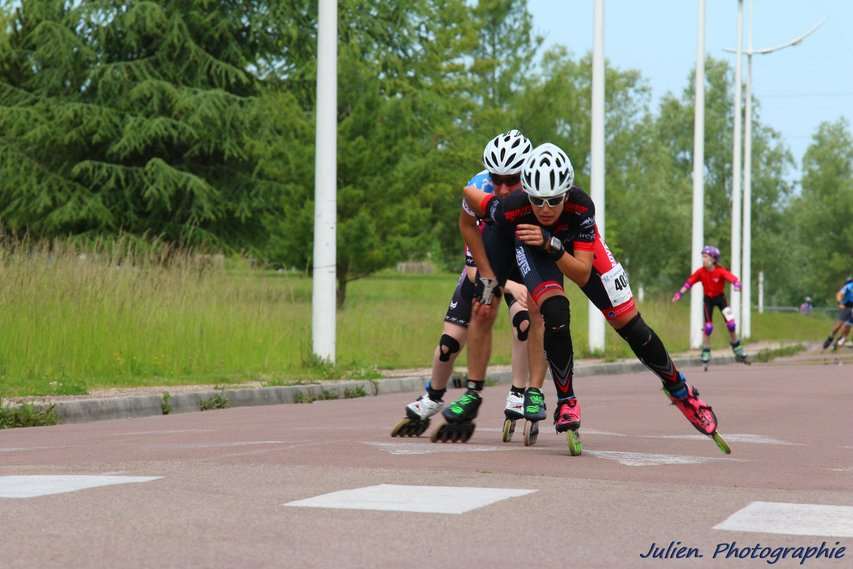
[134,116]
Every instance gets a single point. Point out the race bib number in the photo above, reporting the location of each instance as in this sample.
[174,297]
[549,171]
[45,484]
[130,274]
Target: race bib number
[728,315]
[616,284]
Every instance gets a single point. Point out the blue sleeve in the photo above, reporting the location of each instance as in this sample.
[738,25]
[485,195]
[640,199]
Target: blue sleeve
[483,182]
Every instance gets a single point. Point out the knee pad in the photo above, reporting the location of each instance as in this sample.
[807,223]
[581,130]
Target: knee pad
[709,327]
[555,312]
[730,324]
[447,346]
[636,332]
[520,318]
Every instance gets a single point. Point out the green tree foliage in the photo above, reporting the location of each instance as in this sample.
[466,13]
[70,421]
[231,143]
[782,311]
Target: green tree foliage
[133,116]
[771,182]
[817,224]
[193,121]
[555,106]
[403,153]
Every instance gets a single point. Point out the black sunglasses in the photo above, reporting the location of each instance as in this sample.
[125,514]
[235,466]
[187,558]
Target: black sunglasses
[509,180]
[552,202]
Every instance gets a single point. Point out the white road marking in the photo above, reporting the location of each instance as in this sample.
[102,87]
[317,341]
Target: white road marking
[21,449]
[149,433]
[601,433]
[791,519]
[218,445]
[651,459]
[421,499]
[434,448]
[732,438]
[40,485]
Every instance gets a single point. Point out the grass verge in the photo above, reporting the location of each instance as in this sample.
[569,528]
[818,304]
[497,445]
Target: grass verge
[76,320]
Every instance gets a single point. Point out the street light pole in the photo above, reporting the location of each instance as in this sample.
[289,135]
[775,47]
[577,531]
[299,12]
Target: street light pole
[698,180]
[746,276]
[323,296]
[736,168]
[596,319]
[746,294]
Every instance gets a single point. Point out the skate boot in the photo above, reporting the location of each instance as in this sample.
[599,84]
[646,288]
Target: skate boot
[686,398]
[706,357]
[534,411]
[417,417]
[827,342]
[567,419]
[460,417]
[740,355]
[513,411]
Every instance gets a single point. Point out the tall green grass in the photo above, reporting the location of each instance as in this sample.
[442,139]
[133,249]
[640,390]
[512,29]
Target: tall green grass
[74,320]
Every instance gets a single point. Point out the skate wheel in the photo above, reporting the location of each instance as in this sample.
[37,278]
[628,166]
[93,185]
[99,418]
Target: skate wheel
[574,442]
[508,430]
[408,427]
[721,443]
[531,432]
[468,432]
[399,428]
[438,434]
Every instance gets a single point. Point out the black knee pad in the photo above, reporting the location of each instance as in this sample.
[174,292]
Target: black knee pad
[520,318]
[636,332]
[555,312]
[451,344]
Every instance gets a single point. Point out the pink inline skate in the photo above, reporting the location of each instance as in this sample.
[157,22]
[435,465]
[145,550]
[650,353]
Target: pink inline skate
[567,419]
[686,398]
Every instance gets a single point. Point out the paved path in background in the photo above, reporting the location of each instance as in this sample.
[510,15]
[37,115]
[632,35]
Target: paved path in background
[221,481]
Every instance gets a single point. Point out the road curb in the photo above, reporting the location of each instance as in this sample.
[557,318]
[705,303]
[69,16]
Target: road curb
[100,409]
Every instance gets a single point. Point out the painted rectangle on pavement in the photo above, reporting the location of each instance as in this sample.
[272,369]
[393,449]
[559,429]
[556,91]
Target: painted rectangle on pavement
[792,519]
[43,485]
[402,498]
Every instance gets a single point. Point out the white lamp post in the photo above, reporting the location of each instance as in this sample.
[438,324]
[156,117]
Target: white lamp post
[746,276]
[736,172]
[596,319]
[698,180]
[323,299]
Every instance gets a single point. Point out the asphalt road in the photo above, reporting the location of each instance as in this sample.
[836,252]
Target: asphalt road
[221,481]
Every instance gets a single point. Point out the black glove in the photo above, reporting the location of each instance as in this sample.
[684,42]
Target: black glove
[485,289]
[552,245]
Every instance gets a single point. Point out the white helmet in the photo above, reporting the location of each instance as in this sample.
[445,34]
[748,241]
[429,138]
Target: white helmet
[505,154]
[547,172]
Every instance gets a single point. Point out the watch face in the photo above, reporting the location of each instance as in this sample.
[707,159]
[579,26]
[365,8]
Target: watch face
[555,243]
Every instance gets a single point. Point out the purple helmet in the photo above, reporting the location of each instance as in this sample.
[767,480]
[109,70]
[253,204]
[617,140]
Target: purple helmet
[711,251]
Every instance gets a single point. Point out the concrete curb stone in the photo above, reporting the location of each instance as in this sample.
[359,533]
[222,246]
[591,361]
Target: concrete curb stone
[85,410]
